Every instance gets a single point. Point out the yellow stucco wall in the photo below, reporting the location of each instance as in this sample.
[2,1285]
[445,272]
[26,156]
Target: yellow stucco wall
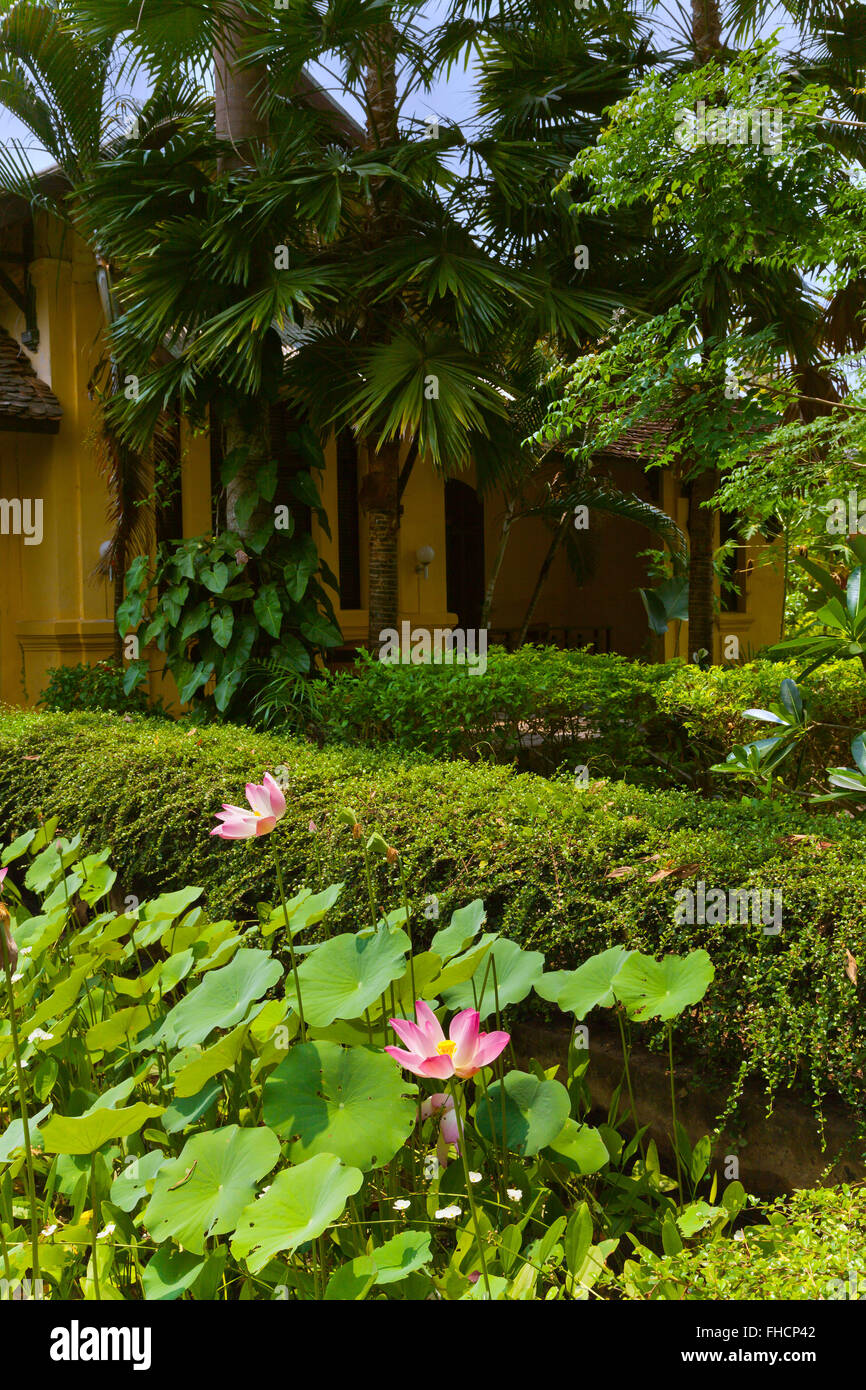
[53,611]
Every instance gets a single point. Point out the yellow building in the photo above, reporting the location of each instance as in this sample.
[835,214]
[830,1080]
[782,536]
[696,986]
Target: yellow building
[54,509]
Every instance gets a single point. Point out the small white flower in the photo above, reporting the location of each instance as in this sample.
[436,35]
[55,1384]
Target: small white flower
[474,1177]
[39,1036]
[515,1193]
[448,1213]
[16,977]
[739,1235]
[401,1204]
[26,951]
[48,1230]
[431,1168]
[106,1231]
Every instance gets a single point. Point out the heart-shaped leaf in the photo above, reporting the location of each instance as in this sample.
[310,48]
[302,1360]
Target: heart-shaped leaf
[301,1203]
[343,1101]
[203,1191]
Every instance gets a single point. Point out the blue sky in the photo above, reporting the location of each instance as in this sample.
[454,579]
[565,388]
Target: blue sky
[450,100]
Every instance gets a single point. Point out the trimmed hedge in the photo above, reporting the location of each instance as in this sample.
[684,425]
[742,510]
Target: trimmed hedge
[544,708]
[708,706]
[566,871]
[541,706]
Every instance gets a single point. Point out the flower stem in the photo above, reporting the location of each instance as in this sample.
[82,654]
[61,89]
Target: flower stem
[22,1094]
[628,1080]
[674,1112]
[408,925]
[289,937]
[462,1133]
[95,1220]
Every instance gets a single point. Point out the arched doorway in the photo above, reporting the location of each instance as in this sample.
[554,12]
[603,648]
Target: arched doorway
[464,552]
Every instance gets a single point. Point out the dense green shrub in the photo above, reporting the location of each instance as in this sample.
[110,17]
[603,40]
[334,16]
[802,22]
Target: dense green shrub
[809,1245]
[541,706]
[709,705]
[97,687]
[546,709]
[565,869]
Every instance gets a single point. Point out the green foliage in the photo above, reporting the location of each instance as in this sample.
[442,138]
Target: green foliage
[180,1174]
[811,1245]
[97,687]
[565,870]
[220,613]
[591,709]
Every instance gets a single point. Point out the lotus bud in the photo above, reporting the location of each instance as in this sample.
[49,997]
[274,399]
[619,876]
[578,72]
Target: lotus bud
[9,947]
[312,827]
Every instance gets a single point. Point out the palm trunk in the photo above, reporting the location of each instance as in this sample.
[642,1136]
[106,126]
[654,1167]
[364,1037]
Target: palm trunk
[237,93]
[378,497]
[707,40]
[558,537]
[497,562]
[380,489]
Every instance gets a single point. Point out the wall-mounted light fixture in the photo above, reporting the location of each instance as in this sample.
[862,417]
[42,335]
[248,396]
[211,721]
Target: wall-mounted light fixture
[425,555]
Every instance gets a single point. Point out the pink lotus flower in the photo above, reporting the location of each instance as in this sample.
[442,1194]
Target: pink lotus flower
[442,1105]
[268,806]
[464,1052]
[3,873]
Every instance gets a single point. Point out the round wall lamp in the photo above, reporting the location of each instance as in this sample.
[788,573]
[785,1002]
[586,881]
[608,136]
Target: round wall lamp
[425,555]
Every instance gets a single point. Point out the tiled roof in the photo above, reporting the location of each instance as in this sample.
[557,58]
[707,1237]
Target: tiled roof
[640,441]
[25,401]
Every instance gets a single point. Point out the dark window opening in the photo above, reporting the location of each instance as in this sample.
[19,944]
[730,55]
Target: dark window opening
[464,553]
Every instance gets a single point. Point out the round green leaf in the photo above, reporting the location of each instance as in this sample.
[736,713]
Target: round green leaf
[205,1189]
[170,1273]
[222,999]
[84,1134]
[343,1101]
[300,1204]
[408,1251]
[580,1147]
[535,1112]
[516,973]
[591,984]
[344,976]
[662,989]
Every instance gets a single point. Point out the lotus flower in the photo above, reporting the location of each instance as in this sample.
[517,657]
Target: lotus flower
[268,806]
[442,1104]
[464,1052]
[11,947]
